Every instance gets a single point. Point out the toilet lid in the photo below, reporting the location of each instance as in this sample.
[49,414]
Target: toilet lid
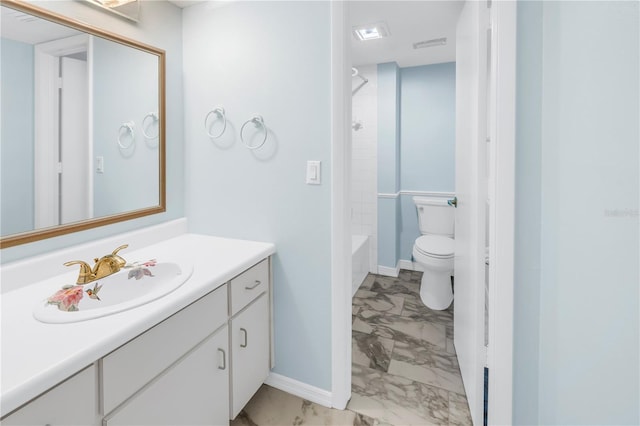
[435,245]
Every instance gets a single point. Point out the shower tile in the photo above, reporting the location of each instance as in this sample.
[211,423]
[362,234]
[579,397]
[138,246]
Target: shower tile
[397,400]
[371,351]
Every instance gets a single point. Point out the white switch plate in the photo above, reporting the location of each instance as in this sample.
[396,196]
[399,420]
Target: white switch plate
[100,164]
[313,172]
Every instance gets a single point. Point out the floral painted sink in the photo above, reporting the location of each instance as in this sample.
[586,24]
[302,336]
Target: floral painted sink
[136,284]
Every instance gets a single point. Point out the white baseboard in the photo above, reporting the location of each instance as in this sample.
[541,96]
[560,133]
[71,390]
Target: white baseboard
[302,390]
[411,266]
[389,272]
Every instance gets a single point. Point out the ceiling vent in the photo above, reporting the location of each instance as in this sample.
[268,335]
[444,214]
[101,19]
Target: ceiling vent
[19,16]
[430,43]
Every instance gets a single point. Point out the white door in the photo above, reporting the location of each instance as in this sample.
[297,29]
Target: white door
[471,190]
[74,142]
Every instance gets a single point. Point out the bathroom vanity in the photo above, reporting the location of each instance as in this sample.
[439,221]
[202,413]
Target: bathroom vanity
[194,356]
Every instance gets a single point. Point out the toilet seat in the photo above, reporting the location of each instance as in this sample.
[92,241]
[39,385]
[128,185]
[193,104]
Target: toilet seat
[436,246]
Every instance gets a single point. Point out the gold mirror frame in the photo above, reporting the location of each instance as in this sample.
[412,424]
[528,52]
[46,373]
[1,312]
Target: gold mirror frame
[41,234]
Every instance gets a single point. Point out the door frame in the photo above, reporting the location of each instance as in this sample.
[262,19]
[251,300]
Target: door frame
[46,120]
[341,262]
[502,191]
[502,215]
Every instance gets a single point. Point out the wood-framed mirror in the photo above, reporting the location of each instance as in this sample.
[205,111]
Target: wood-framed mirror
[82,140]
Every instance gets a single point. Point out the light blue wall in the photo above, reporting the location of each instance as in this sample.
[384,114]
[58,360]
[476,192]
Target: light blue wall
[123,94]
[428,127]
[16,179]
[160,26]
[388,163]
[427,156]
[273,59]
[584,147]
[416,148]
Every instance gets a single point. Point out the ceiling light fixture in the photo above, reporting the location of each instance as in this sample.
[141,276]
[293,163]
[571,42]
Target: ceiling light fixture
[430,43]
[114,3]
[371,31]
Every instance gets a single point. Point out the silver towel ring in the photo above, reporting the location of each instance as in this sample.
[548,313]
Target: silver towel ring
[154,117]
[257,121]
[128,126]
[219,111]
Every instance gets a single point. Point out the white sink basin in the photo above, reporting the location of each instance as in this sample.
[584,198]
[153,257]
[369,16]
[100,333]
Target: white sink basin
[133,286]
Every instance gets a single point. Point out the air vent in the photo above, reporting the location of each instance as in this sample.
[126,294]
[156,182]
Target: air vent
[19,16]
[430,43]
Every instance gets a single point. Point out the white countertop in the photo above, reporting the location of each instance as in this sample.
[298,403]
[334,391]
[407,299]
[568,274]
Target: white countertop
[36,356]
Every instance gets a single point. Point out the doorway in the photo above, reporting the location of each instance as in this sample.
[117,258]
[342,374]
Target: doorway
[63,178]
[502,125]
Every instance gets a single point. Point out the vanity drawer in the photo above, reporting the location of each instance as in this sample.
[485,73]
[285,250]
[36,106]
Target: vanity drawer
[249,285]
[133,365]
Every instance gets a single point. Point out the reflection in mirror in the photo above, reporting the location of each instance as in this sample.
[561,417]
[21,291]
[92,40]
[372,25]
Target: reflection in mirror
[82,126]
[129,9]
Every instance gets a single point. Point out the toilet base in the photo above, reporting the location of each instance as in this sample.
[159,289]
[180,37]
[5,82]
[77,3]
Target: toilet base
[435,289]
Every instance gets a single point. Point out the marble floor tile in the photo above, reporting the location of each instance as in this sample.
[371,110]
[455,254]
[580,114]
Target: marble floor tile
[273,407]
[396,400]
[371,351]
[415,308]
[427,365]
[395,286]
[401,329]
[459,414]
[429,376]
[378,302]
[368,282]
[410,276]
[450,347]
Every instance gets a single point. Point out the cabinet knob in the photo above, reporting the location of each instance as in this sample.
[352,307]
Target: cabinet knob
[244,331]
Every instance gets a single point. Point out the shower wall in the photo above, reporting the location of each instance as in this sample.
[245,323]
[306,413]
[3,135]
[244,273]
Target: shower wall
[364,208]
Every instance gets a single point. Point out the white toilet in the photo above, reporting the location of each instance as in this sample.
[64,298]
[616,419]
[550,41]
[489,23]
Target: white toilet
[434,251]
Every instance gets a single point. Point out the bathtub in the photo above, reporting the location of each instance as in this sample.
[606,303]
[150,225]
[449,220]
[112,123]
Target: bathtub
[360,260]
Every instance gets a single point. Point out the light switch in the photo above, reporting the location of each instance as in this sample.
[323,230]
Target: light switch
[313,172]
[100,164]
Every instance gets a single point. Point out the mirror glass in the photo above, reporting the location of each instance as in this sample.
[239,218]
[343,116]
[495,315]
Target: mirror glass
[82,126]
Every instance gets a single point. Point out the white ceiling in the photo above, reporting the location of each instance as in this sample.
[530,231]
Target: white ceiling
[408,22]
[25,28]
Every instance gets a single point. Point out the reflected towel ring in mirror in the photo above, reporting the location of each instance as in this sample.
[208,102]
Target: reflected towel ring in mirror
[219,111]
[257,121]
[128,127]
[154,118]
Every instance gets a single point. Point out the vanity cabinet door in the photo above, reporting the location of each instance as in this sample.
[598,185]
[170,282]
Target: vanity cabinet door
[72,402]
[194,391]
[249,352]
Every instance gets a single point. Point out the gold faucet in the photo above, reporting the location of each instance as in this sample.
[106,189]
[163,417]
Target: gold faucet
[105,266]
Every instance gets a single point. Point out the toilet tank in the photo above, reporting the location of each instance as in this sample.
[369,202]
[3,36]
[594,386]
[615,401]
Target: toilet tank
[435,216]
